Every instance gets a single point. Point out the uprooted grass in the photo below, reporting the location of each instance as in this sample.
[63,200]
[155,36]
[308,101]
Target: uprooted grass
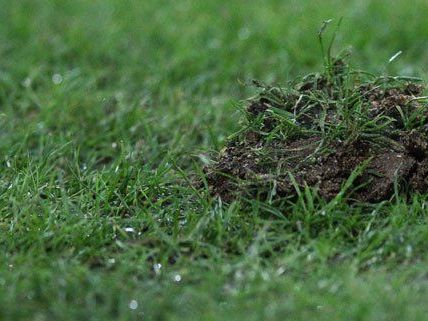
[344,132]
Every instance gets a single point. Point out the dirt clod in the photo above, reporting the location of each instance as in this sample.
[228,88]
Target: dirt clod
[321,131]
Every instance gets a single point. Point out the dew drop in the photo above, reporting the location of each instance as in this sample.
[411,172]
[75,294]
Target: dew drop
[133,304]
[27,82]
[244,33]
[57,79]
[157,268]
[129,229]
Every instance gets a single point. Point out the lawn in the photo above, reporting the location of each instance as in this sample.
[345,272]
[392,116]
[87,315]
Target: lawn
[110,109]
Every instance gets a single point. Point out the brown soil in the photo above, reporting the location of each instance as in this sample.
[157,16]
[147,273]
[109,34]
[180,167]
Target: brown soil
[252,165]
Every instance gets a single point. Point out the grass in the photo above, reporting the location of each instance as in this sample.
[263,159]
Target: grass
[108,109]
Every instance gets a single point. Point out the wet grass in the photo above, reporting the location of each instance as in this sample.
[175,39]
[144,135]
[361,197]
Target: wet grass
[108,111]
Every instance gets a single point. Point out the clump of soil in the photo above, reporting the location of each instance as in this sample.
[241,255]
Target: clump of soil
[325,128]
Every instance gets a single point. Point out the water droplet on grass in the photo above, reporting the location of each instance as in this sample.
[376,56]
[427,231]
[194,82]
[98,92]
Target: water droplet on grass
[280,270]
[409,250]
[133,304]
[57,79]
[157,268]
[244,33]
[27,82]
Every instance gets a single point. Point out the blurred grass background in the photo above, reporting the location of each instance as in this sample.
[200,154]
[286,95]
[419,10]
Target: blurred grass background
[98,98]
[183,57]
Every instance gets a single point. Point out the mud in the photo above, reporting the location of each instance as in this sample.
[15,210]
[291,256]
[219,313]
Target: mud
[394,153]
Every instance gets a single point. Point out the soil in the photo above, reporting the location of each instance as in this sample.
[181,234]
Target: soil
[258,164]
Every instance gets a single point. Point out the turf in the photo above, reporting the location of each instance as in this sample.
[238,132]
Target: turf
[342,133]
[109,109]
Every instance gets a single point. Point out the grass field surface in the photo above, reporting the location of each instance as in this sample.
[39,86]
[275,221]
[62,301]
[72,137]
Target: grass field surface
[110,109]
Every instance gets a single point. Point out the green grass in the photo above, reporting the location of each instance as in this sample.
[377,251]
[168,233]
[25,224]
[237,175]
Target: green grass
[110,108]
